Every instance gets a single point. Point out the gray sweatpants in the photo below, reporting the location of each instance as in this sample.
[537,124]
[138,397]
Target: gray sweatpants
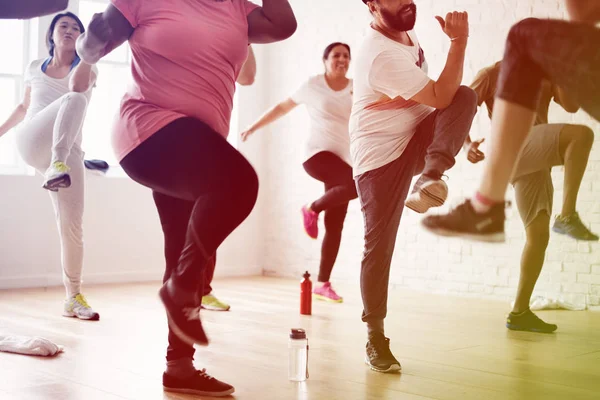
[382,193]
[54,134]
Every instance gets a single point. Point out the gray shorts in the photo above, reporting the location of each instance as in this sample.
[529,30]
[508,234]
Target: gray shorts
[532,179]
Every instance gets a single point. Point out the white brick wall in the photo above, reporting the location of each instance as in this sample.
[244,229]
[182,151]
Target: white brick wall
[421,261]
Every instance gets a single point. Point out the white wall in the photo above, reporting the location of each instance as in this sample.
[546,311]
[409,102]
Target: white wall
[123,239]
[421,261]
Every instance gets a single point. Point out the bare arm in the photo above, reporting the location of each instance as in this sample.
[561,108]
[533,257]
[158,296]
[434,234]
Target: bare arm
[248,72]
[273,22]
[106,32]
[82,79]
[270,116]
[18,114]
[439,94]
[566,102]
[584,10]
[30,8]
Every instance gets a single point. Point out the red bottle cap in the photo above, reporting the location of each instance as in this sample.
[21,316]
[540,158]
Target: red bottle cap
[298,334]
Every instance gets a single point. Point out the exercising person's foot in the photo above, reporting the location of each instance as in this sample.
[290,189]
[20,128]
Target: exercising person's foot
[311,222]
[572,226]
[199,384]
[326,293]
[379,356]
[528,321]
[428,192]
[210,302]
[57,176]
[78,307]
[464,221]
[183,314]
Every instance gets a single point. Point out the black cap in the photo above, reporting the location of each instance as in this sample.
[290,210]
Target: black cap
[298,334]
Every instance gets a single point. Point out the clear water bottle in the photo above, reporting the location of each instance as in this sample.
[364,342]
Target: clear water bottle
[298,357]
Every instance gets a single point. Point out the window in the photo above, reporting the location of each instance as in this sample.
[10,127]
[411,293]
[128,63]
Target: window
[114,73]
[12,69]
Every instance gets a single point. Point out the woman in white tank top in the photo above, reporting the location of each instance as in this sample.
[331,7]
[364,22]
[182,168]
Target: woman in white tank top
[57,92]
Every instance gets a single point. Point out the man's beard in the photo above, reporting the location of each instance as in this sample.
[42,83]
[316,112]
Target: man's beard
[402,21]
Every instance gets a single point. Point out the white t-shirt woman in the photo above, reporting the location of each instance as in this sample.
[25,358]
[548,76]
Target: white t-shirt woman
[328,98]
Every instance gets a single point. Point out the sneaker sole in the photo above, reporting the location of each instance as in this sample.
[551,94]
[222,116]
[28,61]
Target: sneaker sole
[211,308]
[95,317]
[430,196]
[60,182]
[533,330]
[392,368]
[499,237]
[199,392]
[561,232]
[176,329]
[327,299]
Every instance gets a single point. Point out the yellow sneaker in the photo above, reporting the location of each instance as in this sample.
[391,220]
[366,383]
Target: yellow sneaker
[77,307]
[210,302]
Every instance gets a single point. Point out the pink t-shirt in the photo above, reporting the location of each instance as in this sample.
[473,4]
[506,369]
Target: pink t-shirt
[187,55]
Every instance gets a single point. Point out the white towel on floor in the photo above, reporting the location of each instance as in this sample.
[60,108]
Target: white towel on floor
[544,303]
[32,346]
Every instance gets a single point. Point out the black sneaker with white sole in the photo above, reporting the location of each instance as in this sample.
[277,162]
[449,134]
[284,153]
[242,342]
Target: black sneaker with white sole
[463,221]
[183,317]
[379,356]
[199,384]
[529,322]
[427,193]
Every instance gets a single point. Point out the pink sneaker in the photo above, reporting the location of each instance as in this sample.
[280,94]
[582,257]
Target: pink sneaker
[311,222]
[326,293]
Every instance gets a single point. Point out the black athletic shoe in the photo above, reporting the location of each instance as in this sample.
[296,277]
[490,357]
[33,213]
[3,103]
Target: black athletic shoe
[528,321]
[199,384]
[184,319]
[463,221]
[379,357]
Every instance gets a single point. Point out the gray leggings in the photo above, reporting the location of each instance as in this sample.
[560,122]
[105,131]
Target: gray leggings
[54,134]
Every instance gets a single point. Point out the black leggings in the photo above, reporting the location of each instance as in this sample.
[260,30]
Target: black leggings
[339,190]
[203,189]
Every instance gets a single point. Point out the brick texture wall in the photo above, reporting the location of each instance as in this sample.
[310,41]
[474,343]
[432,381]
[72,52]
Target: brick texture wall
[421,261]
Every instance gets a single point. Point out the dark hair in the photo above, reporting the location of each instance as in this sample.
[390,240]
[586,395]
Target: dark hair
[49,41]
[332,46]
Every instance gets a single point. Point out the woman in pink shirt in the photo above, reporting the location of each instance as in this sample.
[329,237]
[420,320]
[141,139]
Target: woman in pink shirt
[171,137]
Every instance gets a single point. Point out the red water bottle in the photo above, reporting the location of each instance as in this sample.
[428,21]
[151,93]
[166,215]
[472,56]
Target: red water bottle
[306,295]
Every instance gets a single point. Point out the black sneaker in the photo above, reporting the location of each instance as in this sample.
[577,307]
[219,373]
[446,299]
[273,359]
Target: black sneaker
[463,221]
[184,319]
[379,357]
[199,384]
[528,321]
[573,227]
[427,193]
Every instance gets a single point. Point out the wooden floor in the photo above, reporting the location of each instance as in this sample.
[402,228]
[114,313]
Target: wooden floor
[450,348]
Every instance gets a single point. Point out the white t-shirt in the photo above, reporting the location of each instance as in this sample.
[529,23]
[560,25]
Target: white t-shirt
[45,90]
[385,67]
[329,112]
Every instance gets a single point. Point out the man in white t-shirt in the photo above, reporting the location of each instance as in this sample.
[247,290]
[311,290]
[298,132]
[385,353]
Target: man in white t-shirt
[403,123]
